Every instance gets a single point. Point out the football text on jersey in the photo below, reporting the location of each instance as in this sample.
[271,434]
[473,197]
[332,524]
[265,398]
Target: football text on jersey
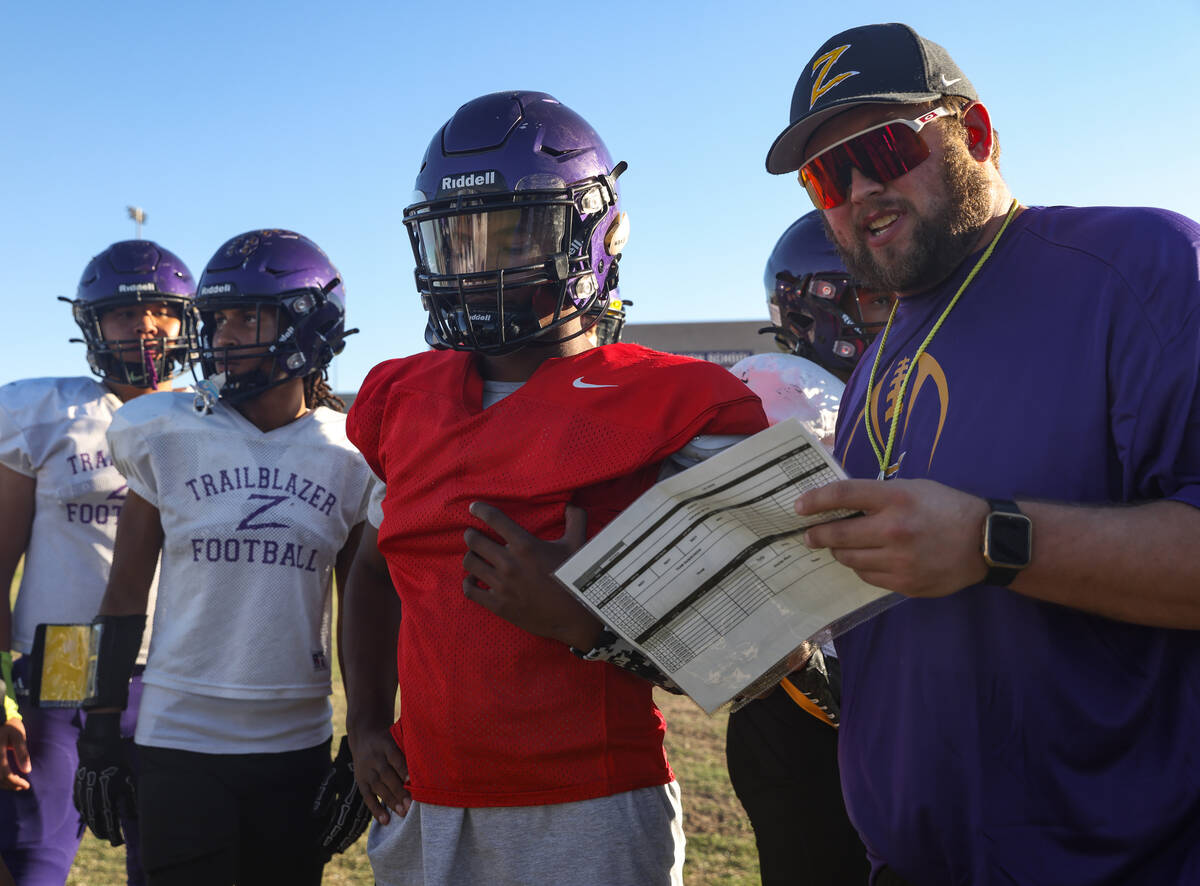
[268,493]
[254,550]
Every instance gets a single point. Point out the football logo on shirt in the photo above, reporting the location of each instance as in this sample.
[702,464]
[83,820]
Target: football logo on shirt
[928,370]
[271,501]
[268,494]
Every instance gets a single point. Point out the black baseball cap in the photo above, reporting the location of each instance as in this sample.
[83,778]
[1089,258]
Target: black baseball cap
[871,64]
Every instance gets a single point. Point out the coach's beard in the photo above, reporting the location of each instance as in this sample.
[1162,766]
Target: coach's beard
[939,242]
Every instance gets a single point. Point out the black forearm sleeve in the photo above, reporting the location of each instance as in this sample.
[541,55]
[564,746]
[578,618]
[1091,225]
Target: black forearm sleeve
[120,639]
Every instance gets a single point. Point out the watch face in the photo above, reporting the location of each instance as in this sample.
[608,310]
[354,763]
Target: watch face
[1008,540]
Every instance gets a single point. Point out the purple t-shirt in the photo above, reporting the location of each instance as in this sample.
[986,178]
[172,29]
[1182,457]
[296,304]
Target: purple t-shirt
[989,738]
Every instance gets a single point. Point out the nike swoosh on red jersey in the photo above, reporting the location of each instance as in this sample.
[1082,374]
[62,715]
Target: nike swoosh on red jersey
[580,383]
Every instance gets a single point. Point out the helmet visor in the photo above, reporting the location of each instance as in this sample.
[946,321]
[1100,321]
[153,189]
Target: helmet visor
[474,242]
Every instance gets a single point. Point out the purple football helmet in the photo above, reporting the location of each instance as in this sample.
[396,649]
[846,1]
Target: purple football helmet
[271,270]
[515,223]
[128,273]
[817,310]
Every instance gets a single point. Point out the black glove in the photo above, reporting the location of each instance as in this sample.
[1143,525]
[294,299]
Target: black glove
[104,784]
[339,806]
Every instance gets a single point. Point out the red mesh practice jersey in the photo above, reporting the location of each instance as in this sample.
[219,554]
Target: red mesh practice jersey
[492,715]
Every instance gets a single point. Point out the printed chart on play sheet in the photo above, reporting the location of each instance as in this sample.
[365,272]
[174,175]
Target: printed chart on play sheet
[708,574]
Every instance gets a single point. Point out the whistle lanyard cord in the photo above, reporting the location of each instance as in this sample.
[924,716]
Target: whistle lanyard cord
[884,458]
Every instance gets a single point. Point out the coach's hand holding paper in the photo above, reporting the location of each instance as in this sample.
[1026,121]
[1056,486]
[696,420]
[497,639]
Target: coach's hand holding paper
[916,537]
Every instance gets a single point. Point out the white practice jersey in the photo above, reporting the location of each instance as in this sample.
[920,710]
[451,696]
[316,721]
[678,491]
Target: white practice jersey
[375,506]
[792,387]
[53,429]
[252,523]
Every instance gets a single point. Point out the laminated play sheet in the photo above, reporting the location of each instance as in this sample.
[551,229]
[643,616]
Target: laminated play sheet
[708,574]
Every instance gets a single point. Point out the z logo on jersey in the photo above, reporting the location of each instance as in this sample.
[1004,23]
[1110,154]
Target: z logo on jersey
[825,62]
[272,501]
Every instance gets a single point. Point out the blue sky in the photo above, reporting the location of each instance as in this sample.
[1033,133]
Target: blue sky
[220,117]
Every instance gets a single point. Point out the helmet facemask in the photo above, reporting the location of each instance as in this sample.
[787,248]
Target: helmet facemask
[140,362]
[275,357]
[818,317]
[497,271]
[276,274]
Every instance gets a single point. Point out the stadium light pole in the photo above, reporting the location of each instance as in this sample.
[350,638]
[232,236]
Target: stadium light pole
[139,216]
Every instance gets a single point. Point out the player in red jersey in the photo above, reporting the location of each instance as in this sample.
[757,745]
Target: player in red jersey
[513,761]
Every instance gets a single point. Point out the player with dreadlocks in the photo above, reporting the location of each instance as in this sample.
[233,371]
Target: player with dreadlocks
[255,498]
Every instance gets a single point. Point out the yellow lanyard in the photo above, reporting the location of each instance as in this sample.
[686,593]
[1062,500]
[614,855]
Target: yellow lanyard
[885,457]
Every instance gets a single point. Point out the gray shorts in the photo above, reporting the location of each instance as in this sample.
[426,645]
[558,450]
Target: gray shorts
[630,839]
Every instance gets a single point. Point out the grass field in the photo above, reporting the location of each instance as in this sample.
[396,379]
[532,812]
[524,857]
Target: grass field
[720,848]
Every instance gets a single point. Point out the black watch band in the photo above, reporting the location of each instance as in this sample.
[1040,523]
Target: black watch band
[1007,541]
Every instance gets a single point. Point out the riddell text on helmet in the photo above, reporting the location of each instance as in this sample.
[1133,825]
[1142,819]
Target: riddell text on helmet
[469,180]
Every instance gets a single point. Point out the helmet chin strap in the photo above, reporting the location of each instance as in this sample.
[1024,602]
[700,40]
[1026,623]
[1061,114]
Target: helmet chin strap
[461,329]
[241,396]
[233,389]
[783,337]
[551,342]
[536,342]
[139,374]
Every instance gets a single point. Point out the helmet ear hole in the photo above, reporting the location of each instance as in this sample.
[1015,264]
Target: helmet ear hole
[800,322]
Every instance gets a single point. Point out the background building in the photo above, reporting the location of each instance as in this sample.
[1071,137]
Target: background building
[721,342]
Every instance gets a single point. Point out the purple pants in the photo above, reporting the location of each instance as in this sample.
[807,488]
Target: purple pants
[39,828]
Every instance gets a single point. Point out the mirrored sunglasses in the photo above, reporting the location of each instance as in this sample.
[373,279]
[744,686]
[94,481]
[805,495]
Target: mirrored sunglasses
[881,153]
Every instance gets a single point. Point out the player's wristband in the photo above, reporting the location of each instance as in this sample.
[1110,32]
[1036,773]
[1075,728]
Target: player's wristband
[11,710]
[612,649]
[604,644]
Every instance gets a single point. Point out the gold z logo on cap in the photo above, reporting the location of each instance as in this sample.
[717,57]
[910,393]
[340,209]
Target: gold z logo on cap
[825,62]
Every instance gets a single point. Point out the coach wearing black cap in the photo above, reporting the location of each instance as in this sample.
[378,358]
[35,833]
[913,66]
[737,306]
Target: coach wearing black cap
[1028,431]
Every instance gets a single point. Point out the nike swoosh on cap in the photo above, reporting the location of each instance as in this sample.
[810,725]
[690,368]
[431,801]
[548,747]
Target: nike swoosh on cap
[946,82]
[580,383]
